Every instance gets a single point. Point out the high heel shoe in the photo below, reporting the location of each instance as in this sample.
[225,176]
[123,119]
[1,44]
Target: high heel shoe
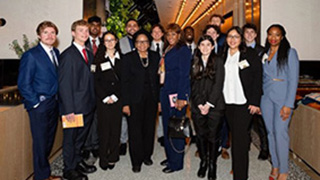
[273,177]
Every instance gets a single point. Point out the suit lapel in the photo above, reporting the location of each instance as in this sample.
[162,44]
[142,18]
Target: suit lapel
[46,59]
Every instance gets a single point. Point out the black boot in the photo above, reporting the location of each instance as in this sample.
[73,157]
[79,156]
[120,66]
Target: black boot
[212,174]
[202,169]
[203,154]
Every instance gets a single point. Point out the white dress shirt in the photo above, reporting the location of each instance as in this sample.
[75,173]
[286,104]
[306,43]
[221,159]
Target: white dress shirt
[232,88]
[47,50]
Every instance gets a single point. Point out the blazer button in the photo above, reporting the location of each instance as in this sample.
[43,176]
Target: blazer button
[112,84]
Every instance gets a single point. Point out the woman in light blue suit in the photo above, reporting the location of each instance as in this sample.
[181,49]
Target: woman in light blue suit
[280,80]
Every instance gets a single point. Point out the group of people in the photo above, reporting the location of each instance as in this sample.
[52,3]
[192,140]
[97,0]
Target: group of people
[118,86]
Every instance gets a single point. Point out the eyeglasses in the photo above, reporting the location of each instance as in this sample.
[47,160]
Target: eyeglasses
[142,42]
[109,40]
[233,37]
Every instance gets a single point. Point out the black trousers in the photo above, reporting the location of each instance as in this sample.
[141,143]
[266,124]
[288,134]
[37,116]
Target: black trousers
[239,120]
[92,140]
[43,124]
[141,126]
[73,141]
[208,129]
[109,128]
[260,128]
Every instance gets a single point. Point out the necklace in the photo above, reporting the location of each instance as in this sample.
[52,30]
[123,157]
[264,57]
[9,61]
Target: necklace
[146,63]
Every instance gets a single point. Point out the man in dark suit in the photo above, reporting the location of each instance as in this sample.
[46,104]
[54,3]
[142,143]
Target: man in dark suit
[38,85]
[126,46]
[76,97]
[90,149]
[250,34]
[218,20]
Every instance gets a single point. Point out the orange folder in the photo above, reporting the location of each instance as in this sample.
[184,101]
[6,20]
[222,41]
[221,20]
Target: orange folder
[78,122]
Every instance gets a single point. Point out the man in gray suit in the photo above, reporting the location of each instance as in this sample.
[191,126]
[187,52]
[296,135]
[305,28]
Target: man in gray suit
[126,45]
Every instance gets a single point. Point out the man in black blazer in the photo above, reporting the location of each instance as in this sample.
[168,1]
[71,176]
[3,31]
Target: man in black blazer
[76,97]
[38,85]
[250,34]
[91,146]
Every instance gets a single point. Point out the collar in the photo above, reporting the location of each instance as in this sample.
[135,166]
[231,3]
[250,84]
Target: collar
[235,54]
[91,38]
[78,46]
[253,44]
[117,55]
[46,48]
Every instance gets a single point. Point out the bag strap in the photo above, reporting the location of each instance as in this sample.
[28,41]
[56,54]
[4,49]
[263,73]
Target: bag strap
[179,151]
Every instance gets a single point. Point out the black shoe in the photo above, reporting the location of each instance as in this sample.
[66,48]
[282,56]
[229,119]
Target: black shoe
[111,166]
[148,162]
[164,162]
[95,153]
[103,166]
[85,168]
[212,174]
[202,169]
[74,175]
[123,149]
[136,169]
[263,155]
[167,170]
[161,141]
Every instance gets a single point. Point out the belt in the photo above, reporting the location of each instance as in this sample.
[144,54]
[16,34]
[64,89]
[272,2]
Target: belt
[274,79]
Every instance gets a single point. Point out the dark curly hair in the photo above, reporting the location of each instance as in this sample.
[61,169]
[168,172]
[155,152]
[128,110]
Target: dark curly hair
[283,51]
[198,70]
[99,57]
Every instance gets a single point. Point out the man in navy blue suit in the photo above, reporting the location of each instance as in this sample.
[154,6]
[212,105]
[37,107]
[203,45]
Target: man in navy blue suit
[38,85]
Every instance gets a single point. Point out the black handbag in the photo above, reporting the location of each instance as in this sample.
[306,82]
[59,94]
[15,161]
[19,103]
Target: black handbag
[178,127]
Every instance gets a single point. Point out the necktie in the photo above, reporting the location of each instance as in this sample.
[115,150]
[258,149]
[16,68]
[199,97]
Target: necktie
[158,47]
[54,59]
[85,55]
[94,46]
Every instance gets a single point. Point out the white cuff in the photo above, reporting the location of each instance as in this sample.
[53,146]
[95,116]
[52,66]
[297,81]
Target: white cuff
[211,105]
[114,98]
[35,106]
[106,99]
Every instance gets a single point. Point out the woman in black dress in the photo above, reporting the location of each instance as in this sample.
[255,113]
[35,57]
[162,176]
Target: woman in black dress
[106,68]
[207,103]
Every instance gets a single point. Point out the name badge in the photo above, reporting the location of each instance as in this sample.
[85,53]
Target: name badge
[93,68]
[105,66]
[243,64]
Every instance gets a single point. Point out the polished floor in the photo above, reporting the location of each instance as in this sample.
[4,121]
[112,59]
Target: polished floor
[259,170]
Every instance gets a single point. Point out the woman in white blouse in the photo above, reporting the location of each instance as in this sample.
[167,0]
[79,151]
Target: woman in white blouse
[242,92]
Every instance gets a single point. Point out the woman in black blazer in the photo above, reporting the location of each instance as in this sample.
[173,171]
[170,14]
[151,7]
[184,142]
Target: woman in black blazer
[242,91]
[207,103]
[140,87]
[106,68]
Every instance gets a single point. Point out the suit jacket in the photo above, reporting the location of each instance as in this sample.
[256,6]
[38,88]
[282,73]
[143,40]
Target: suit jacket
[205,90]
[259,49]
[76,82]
[125,45]
[251,77]
[221,39]
[154,48]
[133,77]
[107,82]
[37,76]
[281,85]
[177,70]
[89,46]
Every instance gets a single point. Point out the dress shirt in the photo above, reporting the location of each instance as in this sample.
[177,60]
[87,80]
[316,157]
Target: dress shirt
[154,46]
[47,49]
[117,55]
[97,41]
[79,47]
[232,89]
[253,44]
